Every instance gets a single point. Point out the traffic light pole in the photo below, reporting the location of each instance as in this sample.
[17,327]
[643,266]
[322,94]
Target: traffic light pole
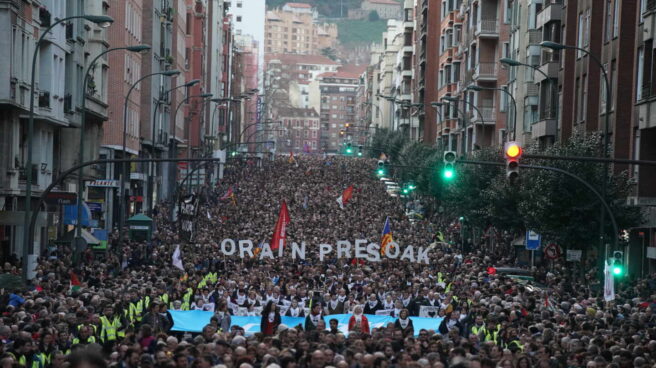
[567,173]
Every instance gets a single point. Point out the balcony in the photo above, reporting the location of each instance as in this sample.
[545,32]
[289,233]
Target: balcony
[532,89]
[485,72]
[551,69]
[544,128]
[489,115]
[533,37]
[44,17]
[487,28]
[553,11]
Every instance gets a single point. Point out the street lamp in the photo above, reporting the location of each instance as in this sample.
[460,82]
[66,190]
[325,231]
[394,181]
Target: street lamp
[151,191]
[103,21]
[512,98]
[83,118]
[168,73]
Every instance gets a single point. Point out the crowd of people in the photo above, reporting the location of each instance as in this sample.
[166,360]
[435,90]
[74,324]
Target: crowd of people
[113,309]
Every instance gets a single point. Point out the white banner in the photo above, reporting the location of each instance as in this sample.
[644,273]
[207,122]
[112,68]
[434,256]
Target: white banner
[385,312]
[429,311]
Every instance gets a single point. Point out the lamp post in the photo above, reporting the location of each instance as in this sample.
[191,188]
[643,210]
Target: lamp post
[151,181]
[606,143]
[124,167]
[512,98]
[83,118]
[438,107]
[173,152]
[103,21]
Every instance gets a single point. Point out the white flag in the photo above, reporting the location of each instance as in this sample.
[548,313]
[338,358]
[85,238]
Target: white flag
[609,283]
[177,261]
[340,202]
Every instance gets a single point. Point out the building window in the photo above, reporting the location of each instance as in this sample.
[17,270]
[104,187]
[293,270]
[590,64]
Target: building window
[609,19]
[616,19]
[640,73]
[579,41]
[239,18]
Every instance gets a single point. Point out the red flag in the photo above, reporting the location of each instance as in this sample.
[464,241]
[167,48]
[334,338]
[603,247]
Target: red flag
[227,195]
[75,282]
[280,231]
[345,197]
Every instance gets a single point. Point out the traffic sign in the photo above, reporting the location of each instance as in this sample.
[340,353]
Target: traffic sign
[61,198]
[552,251]
[533,240]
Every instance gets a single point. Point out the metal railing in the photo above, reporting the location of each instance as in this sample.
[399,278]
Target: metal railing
[486,70]
[487,26]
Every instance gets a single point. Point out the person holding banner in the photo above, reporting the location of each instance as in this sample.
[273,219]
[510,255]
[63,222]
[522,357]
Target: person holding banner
[270,319]
[358,321]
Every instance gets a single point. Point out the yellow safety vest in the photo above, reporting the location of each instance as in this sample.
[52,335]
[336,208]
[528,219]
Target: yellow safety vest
[90,340]
[22,361]
[478,330]
[516,342]
[109,331]
[492,335]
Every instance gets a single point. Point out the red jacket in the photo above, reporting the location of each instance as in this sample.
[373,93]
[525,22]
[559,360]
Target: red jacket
[364,324]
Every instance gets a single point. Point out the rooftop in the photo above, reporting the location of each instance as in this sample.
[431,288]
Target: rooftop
[300,5]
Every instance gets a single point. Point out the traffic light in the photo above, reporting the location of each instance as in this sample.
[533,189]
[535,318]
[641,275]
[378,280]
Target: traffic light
[233,153]
[513,152]
[360,150]
[380,171]
[449,171]
[347,125]
[618,263]
[349,148]
[342,132]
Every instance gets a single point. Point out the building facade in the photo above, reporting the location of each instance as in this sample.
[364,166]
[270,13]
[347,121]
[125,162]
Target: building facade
[300,130]
[61,63]
[293,29]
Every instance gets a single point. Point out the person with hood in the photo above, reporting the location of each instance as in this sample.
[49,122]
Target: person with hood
[270,319]
[358,321]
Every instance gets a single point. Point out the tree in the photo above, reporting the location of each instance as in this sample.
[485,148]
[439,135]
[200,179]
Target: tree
[373,16]
[330,53]
[558,207]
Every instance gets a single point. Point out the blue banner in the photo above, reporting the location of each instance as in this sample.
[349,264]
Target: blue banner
[194,321]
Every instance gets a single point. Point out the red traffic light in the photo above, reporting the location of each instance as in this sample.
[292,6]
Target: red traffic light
[512,150]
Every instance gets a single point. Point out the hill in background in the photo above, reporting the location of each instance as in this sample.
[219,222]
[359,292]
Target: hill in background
[353,32]
[326,8]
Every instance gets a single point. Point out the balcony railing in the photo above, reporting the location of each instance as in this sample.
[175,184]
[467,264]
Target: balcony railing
[534,36]
[485,70]
[487,27]
[549,112]
[489,114]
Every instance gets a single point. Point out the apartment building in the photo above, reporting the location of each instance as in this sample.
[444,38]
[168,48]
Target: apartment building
[337,93]
[386,9]
[301,130]
[428,36]
[293,29]
[291,75]
[483,116]
[62,60]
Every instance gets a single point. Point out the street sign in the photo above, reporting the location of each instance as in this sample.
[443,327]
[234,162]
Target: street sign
[533,240]
[552,251]
[103,183]
[61,198]
[573,255]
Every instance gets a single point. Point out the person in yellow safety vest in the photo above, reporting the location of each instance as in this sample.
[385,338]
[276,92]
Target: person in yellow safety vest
[478,328]
[492,332]
[84,336]
[25,356]
[110,325]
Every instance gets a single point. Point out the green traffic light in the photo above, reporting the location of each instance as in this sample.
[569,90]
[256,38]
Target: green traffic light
[448,174]
[359,153]
[405,191]
[617,270]
[234,153]
[349,151]
[380,172]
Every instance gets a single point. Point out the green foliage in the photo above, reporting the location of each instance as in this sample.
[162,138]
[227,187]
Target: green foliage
[360,31]
[331,9]
[330,53]
[560,208]
[373,16]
